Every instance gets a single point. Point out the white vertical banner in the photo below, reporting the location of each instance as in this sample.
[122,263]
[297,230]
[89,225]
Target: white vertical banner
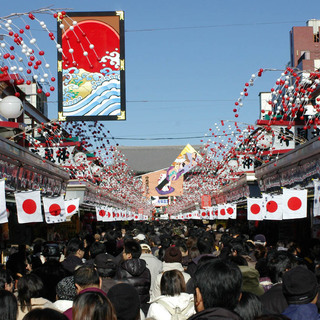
[231,209]
[274,206]
[101,213]
[316,198]
[109,214]
[294,203]
[54,209]
[255,209]
[72,206]
[28,206]
[222,213]
[3,207]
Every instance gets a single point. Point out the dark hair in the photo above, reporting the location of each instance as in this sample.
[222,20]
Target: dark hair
[194,252]
[133,247]
[205,244]
[272,317]
[172,283]
[5,278]
[219,283]
[279,262]
[238,260]
[86,276]
[239,246]
[92,305]
[8,305]
[97,248]
[29,286]
[249,306]
[44,314]
[260,251]
[74,245]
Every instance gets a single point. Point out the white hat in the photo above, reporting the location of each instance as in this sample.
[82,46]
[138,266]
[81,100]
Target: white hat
[139,237]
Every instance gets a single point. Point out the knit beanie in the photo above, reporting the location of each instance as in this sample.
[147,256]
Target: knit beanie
[126,301]
[299,285]
[172,254]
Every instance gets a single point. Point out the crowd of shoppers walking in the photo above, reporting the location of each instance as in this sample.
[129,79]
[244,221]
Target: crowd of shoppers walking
[161,271]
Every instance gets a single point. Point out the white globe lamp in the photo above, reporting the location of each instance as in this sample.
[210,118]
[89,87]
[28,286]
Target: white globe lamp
[11,107]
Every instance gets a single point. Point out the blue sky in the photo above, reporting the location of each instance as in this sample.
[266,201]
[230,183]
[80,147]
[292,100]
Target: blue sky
[187,61]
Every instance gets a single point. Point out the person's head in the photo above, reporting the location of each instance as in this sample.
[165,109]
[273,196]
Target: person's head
[194,252]
[145,248]
[86,277]
[126,301]
[6,280]
[29,286]
[260,239]
[299,286]
[131,250]
[92,305]
[51,251]
[8,305]
[205,244]
[106,266]
[172,283]
[217,284]
[278,262]
[65,289]
[172,254]
[97,248]
[249,306]
[44,314]
[75,247]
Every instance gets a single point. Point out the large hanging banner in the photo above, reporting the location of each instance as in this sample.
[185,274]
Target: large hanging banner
[91,66]
[28,206]
[187,159]
[54,209]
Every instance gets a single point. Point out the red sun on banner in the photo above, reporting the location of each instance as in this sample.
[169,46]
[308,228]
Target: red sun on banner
[272,206]
[77,39]
[29,206]
[55,210]
[230,211]
[255,209]
[71,208]
[223,212]
[102,213]
[294,203]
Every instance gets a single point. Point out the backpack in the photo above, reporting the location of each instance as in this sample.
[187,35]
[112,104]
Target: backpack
[176,313]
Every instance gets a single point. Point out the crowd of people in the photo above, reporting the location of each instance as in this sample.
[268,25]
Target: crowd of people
[161,271]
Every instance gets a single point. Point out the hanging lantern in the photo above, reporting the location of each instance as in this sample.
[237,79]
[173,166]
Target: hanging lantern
[11,107]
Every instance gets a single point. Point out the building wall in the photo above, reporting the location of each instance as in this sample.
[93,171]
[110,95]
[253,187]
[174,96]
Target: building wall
[304,40]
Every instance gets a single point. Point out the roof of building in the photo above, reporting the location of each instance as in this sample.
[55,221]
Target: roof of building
[151,158]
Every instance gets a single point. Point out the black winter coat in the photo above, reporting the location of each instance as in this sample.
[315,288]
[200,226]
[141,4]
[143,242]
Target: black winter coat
[215,313]
[136,273]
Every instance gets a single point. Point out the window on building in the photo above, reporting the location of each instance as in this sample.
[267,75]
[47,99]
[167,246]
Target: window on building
[316,37]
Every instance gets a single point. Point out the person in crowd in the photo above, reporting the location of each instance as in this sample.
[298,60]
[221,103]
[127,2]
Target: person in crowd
[6,280]
[8,305]
[30,289]
[260,254]
[249,306]
[217,290]
[278,263]
[250,281]
[65,293]
[86,279]
[125,299]
[205,244]
[272,317]
[260,239]
[51,271]
[134,271]
[239,247]
[172,261]
[74,255]
[107,269]
[44,314]
[153,263]
[17,263]
[300,289]
[173,299]
[93,305]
